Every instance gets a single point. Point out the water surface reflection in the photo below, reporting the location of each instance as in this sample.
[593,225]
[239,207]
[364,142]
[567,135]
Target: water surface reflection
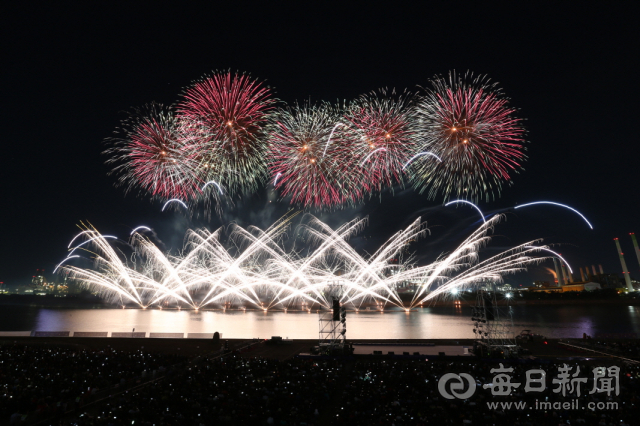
[424,323]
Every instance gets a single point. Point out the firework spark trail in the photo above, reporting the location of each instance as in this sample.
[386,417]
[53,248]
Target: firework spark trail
[556,254]
[146,228]
[556,204]
[470,203]
[264,244]
[112,271]
[492,269]
[174,200]
[75,256]
[370,154]
[78,236]
[334,244]
[420,154]
[214,183]
[88,241]
[326,145]
[258,271]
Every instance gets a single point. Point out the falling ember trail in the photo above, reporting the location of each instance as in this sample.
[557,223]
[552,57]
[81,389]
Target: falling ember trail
[263,275]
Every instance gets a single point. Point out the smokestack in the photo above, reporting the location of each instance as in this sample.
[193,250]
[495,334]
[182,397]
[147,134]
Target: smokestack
[582,275]
[635,245]
[601,270]
[593,267]
[625,271]
[558,274]
[565,276]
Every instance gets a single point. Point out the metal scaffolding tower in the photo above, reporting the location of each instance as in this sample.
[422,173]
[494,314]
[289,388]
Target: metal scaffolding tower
[493,324]
[333,323]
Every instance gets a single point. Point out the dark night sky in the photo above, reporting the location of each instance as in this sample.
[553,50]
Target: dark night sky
[69,74]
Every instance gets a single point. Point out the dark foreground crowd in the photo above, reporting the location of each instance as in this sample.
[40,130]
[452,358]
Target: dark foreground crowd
[70,387]
[623,348]
[45,381]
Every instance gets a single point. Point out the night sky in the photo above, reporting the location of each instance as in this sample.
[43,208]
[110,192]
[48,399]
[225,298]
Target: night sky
[70,74]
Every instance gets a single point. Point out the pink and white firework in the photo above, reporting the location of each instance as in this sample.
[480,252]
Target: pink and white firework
[155,152]
[312,159]
[228,112]
[469,125]
[387,132]
[460,139]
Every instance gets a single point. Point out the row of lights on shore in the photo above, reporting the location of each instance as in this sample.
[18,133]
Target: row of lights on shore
[379,307]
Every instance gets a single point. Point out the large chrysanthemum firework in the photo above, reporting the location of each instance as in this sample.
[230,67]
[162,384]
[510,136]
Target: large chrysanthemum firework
[311,157]
[468,123]
[154,152]
[387,136]
[228,112]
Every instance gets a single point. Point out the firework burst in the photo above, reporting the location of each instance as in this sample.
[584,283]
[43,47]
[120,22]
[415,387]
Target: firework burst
[155,152]
[311,157]
[227,113]
[460,139]
[468,123]
[387,136]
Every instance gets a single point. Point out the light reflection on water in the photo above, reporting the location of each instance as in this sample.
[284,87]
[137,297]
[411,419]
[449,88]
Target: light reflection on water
[426,323]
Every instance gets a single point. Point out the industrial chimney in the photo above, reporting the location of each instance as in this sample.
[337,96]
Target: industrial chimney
[625,271]
[565,275]
[558,274]
[635,245]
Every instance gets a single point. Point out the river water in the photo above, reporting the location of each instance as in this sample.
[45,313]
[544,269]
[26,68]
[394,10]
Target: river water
[553,321]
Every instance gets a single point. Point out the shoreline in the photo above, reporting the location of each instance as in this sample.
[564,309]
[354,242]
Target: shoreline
[94,302]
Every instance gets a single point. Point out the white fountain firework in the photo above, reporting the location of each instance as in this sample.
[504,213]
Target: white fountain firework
[254,269]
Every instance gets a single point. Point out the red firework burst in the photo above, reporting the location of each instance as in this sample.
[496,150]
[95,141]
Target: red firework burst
[311,157]
[230,112]
[471,127]
[157,155]
[387,131]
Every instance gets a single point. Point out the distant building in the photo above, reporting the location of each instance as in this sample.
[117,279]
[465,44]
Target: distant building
[589,286]
[38,280]
[607,280]
[504,288]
